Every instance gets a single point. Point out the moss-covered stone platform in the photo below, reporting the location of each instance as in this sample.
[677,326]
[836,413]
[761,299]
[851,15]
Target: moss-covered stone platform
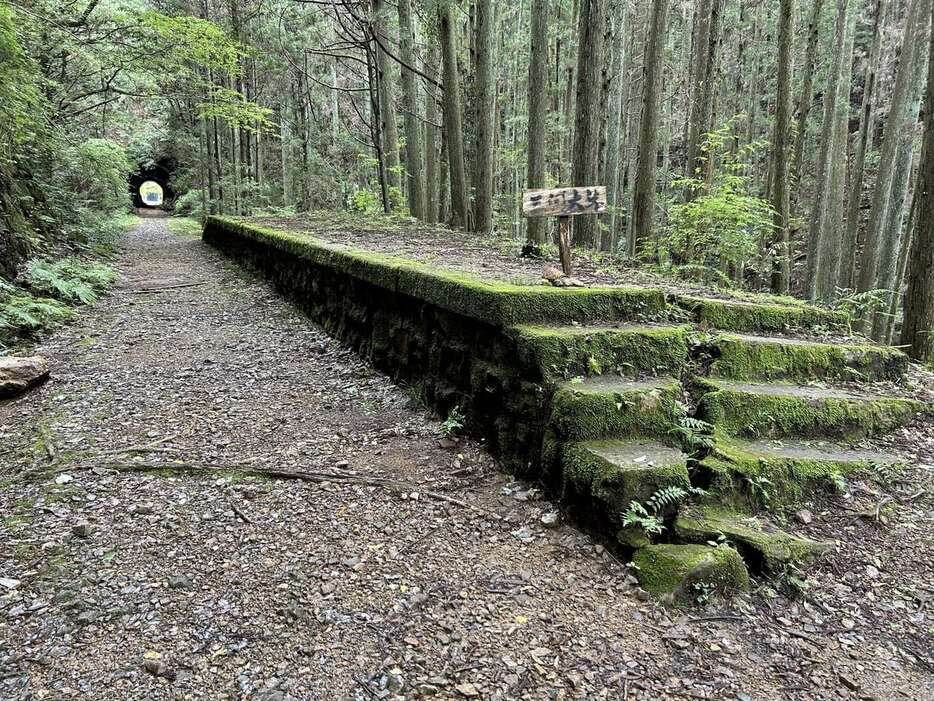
[597,392]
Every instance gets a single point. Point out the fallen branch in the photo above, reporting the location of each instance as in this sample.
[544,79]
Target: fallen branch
[302,476]
[156,290]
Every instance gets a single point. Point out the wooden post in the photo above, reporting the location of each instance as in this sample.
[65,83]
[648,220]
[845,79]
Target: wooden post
[564,203]
[564,244]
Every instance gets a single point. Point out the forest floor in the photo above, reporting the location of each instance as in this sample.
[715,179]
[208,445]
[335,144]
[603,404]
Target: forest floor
[168,585]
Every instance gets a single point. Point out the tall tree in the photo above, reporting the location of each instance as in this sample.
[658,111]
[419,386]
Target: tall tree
[918,323]
[414,165]
[612,157]
[484,106]
[704,69]
[453,120]
[432,174]
[895,122]
[807,93]
[586,159]
[643,198]
[537,138]
[823,228]
[389,133]
[866,124]
[780,201]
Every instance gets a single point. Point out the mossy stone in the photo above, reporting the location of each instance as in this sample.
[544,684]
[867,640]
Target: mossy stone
[611,407]
[680,573]
[779,473]
[743,357]
[569,351]
[777,410]
[764,546]
[611,474]
[491,301]
[741,315]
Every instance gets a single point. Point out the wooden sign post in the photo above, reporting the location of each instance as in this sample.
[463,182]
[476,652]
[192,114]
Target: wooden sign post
[564,203]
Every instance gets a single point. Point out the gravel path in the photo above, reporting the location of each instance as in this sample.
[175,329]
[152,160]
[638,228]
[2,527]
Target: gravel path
[182,586]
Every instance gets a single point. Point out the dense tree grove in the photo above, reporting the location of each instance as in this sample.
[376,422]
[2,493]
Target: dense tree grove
[760,144]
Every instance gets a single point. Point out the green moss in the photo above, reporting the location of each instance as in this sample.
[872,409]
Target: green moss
[494,302]
[606,410]
[751,358]
[681,572]
[763,545]
[753,316]
[742,410]
[614,473]
[567,351]
[744,475]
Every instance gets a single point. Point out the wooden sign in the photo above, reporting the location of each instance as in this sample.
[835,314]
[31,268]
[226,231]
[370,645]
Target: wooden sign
[564,202]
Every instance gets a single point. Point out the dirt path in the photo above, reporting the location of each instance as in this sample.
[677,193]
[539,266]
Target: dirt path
[166,586]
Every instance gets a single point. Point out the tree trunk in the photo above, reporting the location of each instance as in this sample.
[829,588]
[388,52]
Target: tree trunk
[586,166]
[807,94]
[537,138]
[415,182]
[894,125]
[485,105]
[781,265]
[643,199]
[822,227]
[706,42]
[432,176]
[612,161]
[453,122]
[384,90]
[918,322]
[866,122]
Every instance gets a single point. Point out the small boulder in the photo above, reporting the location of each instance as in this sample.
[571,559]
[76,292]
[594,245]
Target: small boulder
[19,375]
[675,572]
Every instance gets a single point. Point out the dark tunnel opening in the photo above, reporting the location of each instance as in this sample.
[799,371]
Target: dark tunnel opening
[159,172]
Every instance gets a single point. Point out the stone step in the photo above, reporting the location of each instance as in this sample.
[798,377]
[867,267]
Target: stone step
[610,406]
[771,474]
[628,349]
[686,574]
[763,546]
[783,409]
[740,315]
[749,357]
[606,476]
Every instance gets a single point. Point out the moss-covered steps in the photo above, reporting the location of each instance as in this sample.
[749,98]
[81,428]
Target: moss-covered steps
[625,349]
[763,545]
[683,574]
[610,406]
[749,357]
[783,409]
[762,316]
[779,473]
[605,477]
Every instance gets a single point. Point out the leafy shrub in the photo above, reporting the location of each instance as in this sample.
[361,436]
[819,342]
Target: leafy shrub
[191,204]
[96,175]
[366,201]
[22,313]
[70,280]
[722,225]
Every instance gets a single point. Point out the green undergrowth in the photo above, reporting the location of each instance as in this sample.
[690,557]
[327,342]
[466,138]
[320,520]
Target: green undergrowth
[47,294]
[185,226]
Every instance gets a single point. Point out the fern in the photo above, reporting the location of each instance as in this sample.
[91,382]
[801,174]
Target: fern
[695,434]
[70,280]
[636,515]
[21,313]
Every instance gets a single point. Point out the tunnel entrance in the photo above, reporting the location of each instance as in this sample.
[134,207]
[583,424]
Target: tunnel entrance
[150,186]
